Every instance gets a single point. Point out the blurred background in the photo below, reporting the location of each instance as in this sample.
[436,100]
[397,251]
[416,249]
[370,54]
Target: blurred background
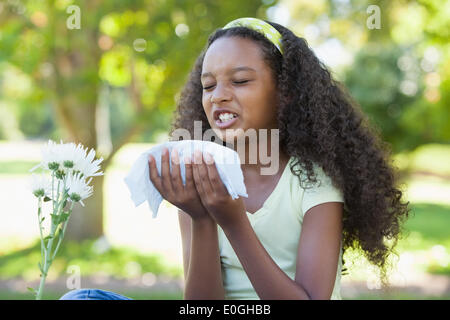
[107,74]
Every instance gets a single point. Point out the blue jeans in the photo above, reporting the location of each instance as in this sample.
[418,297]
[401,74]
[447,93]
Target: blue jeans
[92,294]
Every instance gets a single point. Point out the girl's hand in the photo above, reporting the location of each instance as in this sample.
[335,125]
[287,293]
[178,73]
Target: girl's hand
[170,185]
[213,193]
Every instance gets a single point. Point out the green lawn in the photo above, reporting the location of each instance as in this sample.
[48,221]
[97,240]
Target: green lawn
[432,222]
[113,262]
[52,295]
[399,296]
[117,263]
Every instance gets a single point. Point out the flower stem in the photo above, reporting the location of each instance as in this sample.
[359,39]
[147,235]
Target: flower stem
[40,228]
[63,231]
[41,288]
[48,258]
[47,262]
[43,252]
[53,197]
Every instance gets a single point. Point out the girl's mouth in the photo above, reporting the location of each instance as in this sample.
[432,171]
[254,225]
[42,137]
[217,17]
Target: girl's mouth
[226,123]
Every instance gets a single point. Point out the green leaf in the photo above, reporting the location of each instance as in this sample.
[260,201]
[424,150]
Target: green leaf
[64,216]
[55,218]
[48,237]
[46,199]
[32,290]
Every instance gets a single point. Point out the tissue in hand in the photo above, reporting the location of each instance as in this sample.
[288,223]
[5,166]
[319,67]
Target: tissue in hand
[227,163]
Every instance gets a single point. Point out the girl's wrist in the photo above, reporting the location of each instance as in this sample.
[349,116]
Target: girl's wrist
[203,221]
[236,225]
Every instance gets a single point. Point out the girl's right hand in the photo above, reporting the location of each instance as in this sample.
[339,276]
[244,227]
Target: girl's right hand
[170,184]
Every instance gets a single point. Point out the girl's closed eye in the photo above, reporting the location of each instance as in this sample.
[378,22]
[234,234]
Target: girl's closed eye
[236,82]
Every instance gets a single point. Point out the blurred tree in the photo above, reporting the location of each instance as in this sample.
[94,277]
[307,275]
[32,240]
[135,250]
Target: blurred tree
[137,51]
[384,91]
[399,73]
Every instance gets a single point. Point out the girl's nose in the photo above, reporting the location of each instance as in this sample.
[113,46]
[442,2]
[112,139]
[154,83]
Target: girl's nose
[220,94]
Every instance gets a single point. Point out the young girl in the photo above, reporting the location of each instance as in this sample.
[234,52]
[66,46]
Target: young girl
[334,189]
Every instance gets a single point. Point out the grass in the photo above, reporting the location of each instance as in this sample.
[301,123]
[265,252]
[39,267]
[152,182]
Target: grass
[428,234]
[398,296]
[51,295]
[16,167]
[431,220]
[55,295]
[425,235]
[431,223]
[117,262]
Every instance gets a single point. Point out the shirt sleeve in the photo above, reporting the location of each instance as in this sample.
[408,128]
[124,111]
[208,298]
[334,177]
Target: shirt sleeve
[320,192]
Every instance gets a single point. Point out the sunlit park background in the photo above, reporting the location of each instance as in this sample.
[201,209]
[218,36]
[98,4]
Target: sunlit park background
[108,73]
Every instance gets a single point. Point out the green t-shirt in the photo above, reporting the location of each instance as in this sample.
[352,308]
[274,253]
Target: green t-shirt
[277,225]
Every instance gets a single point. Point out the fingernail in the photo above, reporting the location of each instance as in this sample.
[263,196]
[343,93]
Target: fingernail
[208,158]
[197,157]
[150,159]
[175,158]
[187,160]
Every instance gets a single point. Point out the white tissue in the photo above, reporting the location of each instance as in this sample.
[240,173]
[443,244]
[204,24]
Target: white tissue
[227,163]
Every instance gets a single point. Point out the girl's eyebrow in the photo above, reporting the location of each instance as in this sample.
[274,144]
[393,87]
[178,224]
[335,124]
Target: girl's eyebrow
[208,74]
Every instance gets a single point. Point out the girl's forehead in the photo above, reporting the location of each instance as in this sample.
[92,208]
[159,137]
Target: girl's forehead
[232,52]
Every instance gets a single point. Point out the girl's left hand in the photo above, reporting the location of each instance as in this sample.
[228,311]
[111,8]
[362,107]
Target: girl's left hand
[213,193]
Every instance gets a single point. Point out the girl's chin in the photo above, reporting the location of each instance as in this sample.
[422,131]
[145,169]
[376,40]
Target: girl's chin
[229,135]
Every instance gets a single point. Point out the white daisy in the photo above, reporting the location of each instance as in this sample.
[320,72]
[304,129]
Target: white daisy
[70,154]
[40,185]
[88,167]
[51,156]
[68,158]
[78,189]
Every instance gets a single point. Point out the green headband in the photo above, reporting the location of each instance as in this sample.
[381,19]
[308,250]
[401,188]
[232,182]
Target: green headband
[261,26]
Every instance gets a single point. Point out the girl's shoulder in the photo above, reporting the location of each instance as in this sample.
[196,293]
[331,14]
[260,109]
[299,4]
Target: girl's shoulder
[307,194]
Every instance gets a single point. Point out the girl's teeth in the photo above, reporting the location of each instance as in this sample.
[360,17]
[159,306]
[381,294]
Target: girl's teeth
[226,117]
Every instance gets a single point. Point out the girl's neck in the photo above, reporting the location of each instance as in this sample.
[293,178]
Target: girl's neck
[254,159]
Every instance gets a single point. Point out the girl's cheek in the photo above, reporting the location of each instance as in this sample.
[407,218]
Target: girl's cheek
[206,101]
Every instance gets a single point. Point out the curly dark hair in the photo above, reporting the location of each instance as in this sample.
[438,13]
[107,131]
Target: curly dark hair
[320,123]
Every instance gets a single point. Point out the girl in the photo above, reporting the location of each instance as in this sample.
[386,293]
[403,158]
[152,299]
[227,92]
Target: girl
[287,239]
[335,188]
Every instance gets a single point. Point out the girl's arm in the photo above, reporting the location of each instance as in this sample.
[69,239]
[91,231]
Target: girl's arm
[201,258]
[198,230]
[319,243]
[317,260]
